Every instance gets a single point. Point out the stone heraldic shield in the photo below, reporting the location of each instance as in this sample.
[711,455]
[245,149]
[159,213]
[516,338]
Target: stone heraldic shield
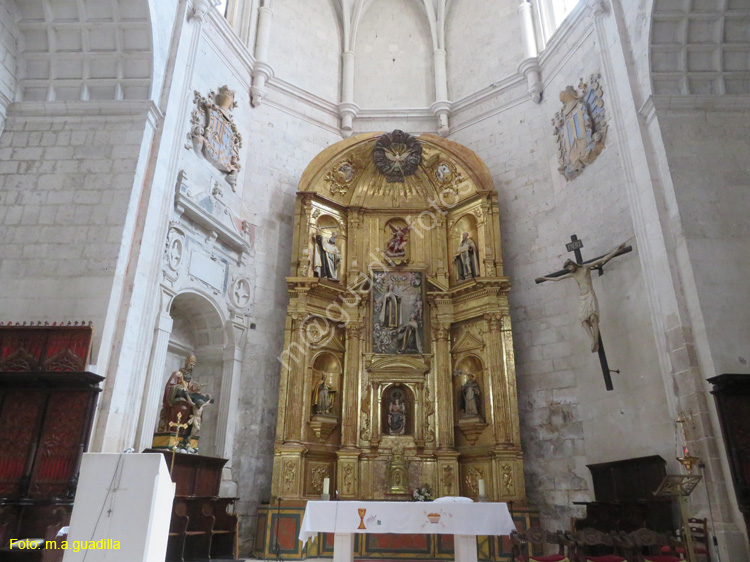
[580,127]
[213,133]
[218,146]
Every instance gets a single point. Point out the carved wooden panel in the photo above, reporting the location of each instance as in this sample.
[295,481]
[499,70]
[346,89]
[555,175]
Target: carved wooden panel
[60,444]
[20,411]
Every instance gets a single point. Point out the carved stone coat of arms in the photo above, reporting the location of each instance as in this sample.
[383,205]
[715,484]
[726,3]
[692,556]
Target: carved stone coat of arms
[214,134]
[580,127]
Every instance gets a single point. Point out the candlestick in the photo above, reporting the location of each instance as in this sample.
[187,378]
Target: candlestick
[326,485]
[480,484]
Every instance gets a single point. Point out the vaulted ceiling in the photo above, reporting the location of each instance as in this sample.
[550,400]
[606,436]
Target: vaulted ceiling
[84,50]
[700,47]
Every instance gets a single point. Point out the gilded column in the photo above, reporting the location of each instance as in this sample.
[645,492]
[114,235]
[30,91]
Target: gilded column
[293,365]
[444,391]
[349,414]
[509,370]
[503,426]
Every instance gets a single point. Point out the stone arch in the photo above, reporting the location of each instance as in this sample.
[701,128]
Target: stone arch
[700,47]
[80,51]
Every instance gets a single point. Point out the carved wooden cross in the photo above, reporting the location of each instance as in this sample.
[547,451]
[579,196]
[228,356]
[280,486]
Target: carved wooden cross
[580,271]
[178,426]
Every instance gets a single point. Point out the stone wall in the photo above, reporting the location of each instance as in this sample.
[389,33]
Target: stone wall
[568,418]
[8,56]
[394,67]
[483,45]
[305,46]
[68,191]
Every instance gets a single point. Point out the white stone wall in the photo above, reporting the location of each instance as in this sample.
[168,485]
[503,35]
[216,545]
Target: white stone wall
[710,172]
[394,67]
[66,194]
[305,46]
[8,56]
[483,43]
[568,418]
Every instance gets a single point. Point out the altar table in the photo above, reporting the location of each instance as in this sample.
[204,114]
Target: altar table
[463,520]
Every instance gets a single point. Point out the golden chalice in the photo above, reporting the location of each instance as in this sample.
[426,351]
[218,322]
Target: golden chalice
[361,512]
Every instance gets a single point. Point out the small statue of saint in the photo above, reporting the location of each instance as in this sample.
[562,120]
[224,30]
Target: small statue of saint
[588,312]
[470,397]
[390,308]
[397,244]
[397,414]
[327,257]
[466,258]
[183,396]
[323,397]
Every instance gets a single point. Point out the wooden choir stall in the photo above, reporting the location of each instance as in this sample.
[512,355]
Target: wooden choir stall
[47,404]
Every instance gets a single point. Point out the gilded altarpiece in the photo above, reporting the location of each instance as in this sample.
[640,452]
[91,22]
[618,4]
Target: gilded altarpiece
[398,357]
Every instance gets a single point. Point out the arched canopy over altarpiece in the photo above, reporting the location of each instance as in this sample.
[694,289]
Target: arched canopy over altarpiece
[398,355]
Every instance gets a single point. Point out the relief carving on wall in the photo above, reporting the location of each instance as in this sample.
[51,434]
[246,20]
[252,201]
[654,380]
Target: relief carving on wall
[397,155]
[344,175]
[508,484]
[214,134]
[473,476]
[580,127]
[318,474]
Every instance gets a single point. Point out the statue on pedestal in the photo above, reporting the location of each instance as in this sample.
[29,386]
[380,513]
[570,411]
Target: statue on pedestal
[182,396]
[397,244]
[466,258]
[470,396]
[397,414]
[323,397]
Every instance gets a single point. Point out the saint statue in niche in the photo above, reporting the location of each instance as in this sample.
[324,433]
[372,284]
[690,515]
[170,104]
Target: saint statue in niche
[327,257]
[466,258]
[588,311]
[323,397]
[183,396]
[390,310]
[397,413]
[397,244]
[470,397]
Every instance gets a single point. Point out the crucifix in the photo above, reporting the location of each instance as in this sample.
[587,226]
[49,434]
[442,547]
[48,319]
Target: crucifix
[177,427]
[580,270]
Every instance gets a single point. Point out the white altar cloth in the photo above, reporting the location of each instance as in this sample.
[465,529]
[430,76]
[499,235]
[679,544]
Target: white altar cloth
[405,518]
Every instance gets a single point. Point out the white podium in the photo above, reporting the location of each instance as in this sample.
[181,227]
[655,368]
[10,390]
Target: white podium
[122,500]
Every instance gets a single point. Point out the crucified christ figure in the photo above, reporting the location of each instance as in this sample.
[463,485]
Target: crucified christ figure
[589,306]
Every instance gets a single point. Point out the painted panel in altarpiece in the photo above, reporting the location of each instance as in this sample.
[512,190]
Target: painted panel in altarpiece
[398,312]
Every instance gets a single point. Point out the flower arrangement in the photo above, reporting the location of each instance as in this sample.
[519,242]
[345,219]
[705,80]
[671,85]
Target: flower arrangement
[423,494]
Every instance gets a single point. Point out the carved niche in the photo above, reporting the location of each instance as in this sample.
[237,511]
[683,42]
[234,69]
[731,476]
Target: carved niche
[213,133]
[580,127]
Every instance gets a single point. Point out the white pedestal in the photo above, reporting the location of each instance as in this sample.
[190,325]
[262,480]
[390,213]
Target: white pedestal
[343,547]
[125,498]
[465,548]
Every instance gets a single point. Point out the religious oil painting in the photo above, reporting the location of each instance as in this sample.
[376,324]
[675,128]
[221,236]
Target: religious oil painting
[398,312]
